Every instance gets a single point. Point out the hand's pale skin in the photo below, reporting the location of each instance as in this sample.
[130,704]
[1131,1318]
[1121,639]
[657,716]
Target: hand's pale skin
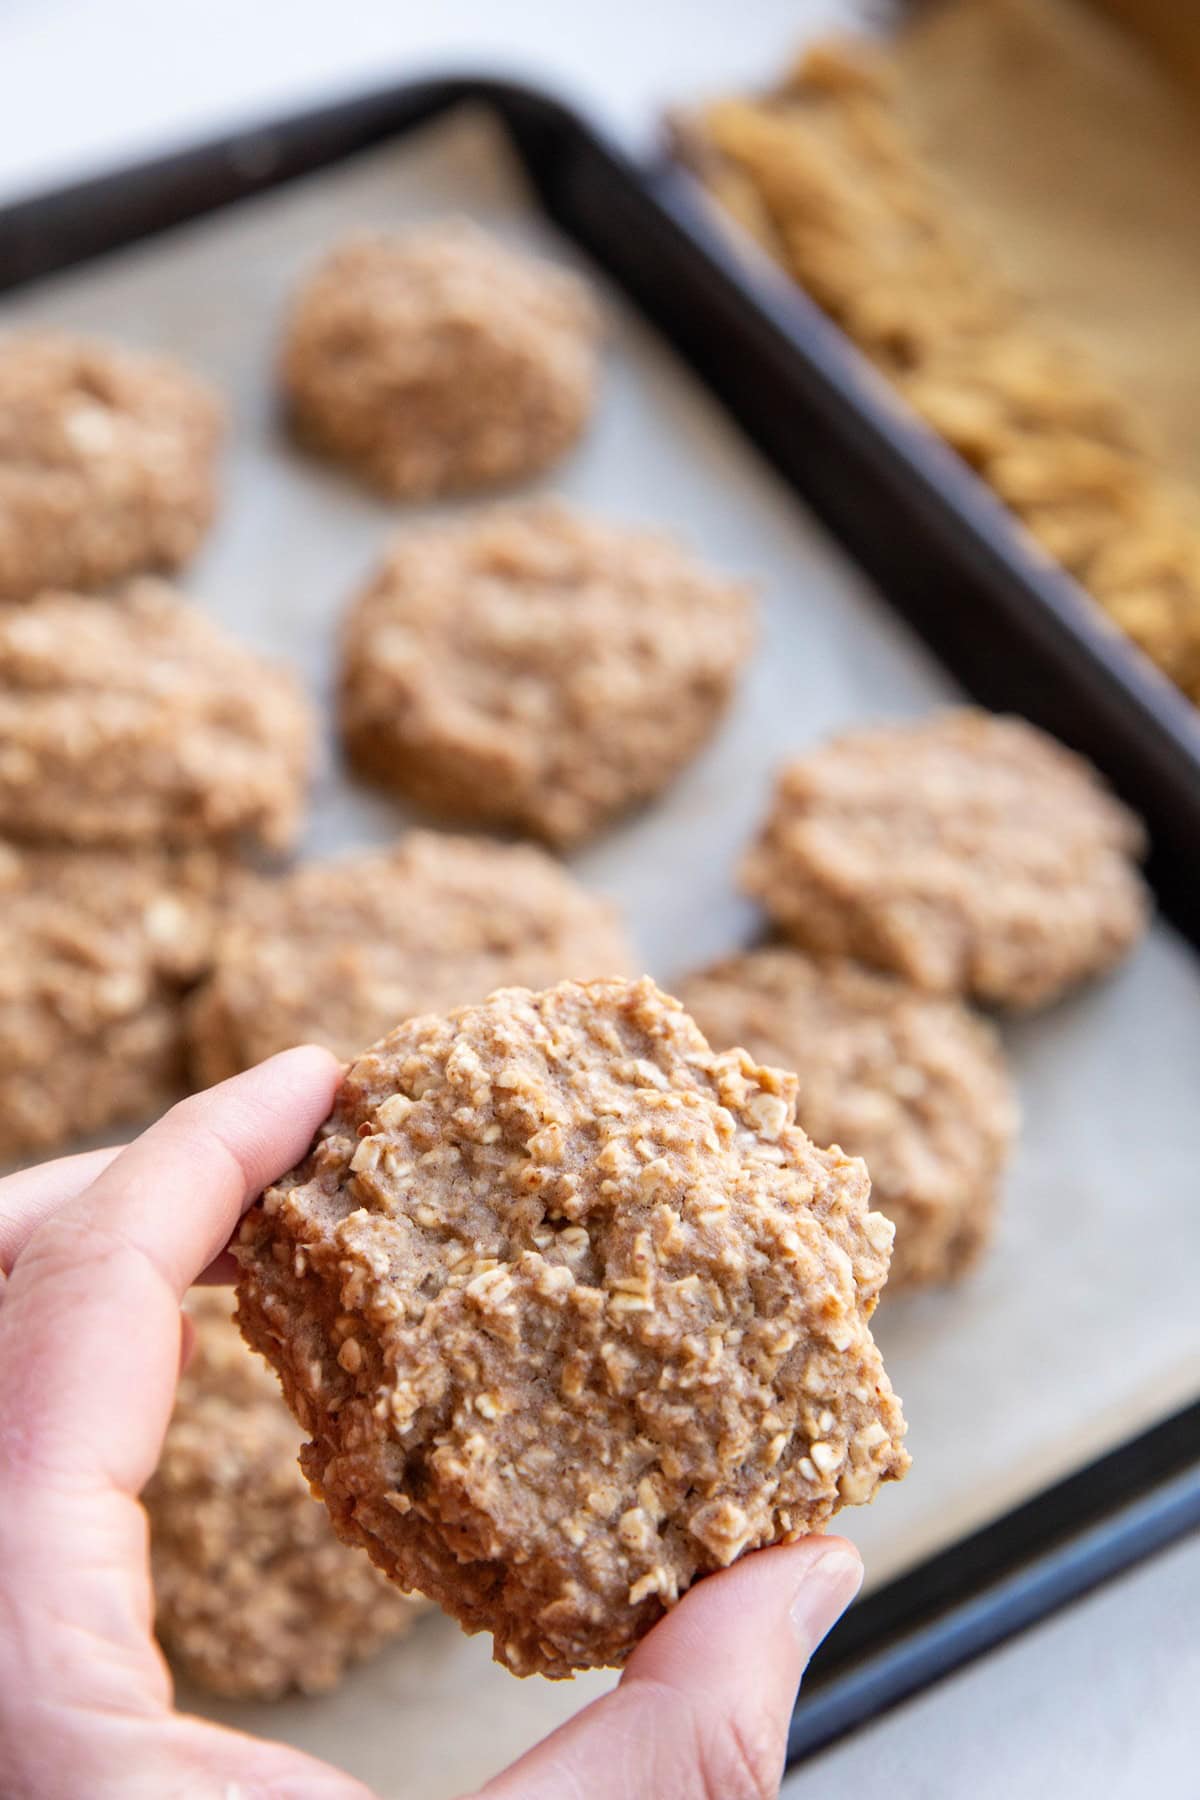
[99,1251]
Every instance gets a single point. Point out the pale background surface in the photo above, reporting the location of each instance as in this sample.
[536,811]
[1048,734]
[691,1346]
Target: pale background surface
[1101,1700]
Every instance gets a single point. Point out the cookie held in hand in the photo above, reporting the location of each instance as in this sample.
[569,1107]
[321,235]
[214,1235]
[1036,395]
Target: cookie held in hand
[573,1314]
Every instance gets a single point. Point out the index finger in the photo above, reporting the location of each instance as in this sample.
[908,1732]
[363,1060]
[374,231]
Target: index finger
[90,1319]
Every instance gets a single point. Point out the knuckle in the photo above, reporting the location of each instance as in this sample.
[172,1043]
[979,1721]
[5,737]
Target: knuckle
[742,1757]
[62,1249]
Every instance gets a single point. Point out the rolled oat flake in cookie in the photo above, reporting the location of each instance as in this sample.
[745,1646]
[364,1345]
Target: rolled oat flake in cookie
[438,361]
[107,462]
[535,670]
[968,852]
[574,1314]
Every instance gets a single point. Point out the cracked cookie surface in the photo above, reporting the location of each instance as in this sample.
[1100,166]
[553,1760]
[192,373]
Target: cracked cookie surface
[968,852]
[573,1314]
[107,462]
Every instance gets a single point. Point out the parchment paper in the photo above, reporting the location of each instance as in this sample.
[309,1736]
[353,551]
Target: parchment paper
[1083,1325]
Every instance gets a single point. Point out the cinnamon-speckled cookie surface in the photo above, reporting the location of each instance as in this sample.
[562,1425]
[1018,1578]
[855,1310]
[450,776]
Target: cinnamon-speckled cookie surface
[254,1594]
[533,669]
[968,852]
[912,1083]
[97,950]
[573,1313]
[106,462]
[338,952]
[439,361]
[137,720]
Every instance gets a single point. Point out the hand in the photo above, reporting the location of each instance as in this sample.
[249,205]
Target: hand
[100,1250]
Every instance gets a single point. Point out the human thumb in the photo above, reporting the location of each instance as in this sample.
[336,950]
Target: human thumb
[702,1709]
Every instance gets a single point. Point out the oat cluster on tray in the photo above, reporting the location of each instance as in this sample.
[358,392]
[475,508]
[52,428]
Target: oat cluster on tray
[570,1301]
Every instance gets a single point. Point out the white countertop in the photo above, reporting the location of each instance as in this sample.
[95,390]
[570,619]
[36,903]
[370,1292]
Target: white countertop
[84,83]
[1100,1701]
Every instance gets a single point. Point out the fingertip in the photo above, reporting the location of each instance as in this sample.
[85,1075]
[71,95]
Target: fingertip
[265,1117]
[306,1067]
[837,1558]
[798,1590]
[314,1053]
[825,1586]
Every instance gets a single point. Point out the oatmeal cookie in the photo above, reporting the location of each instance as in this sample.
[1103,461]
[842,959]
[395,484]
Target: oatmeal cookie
[970,853]
[438,361]
[254,1594]
[536,670]
[96,952]
[914,1084]
[574,1313]
[107,463]
[339,952]
[137,720]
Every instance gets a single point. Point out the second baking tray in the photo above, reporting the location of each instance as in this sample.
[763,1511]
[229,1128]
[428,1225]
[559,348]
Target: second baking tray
[1080,1332]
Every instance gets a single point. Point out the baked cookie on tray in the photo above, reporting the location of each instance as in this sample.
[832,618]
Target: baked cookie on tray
[913,1083]
[573,1313]
[107,462]
[439,361]
[137,720]
[254,1594]
[970,853]
[97,949]
[536,670]
[338,952]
